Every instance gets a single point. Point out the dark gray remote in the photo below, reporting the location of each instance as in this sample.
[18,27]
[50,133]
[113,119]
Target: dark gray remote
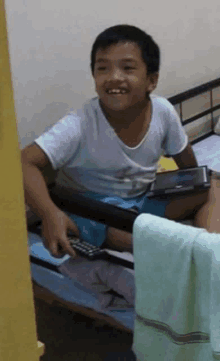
[87,250]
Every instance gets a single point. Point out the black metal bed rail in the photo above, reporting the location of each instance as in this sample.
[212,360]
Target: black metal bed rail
[180,98]
[194,91]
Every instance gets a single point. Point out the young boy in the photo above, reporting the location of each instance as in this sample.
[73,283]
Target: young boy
[109,149]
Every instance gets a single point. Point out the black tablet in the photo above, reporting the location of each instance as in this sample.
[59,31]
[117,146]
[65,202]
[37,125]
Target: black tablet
[180,181]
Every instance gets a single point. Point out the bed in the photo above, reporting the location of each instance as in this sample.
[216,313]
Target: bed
[199,110]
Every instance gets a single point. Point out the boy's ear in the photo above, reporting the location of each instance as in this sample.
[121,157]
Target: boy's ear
[153,81]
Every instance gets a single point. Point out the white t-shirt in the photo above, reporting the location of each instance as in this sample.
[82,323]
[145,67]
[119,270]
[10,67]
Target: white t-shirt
[91,157]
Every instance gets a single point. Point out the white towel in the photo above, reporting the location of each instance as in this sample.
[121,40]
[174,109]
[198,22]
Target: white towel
[177,275]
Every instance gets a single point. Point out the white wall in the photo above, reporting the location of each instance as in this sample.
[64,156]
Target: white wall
[50,43]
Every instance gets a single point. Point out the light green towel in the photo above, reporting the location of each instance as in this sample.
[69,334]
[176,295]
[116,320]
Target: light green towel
[177,277]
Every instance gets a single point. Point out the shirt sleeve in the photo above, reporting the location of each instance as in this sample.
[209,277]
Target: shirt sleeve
[176,138]
[62,140]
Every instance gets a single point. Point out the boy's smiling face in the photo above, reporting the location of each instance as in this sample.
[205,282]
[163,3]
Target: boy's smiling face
[121,78]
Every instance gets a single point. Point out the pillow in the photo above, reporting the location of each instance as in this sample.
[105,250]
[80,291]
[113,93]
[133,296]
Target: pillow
[165,164]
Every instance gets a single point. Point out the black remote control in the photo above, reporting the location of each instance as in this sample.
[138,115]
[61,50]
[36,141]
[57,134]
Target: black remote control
[87,250]
[92,253]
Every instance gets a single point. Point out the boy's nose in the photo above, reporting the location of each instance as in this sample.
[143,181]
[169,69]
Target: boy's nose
[116,74]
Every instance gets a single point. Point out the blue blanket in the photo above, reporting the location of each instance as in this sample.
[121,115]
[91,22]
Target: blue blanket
[68,289]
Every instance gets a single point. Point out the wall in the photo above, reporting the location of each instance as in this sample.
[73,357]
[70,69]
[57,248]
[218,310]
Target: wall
[50,43]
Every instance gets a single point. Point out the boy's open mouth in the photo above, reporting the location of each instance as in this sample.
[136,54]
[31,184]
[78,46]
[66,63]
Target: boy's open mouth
[116,91]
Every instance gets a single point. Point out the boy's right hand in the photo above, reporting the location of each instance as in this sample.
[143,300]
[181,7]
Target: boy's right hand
[55,227]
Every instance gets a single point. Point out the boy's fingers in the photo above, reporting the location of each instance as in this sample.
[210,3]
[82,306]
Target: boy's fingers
[55,250]
[54,247]
[57,241]
[67,247]
[70,251]
[60,249]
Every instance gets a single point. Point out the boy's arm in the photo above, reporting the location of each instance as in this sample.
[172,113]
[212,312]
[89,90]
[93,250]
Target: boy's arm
[55,223]
[34,161]
[186,159]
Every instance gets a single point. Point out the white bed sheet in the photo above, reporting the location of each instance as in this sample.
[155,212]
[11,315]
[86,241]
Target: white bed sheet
[207,152]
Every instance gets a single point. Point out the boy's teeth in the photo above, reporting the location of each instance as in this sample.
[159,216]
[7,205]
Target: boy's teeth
[116,91]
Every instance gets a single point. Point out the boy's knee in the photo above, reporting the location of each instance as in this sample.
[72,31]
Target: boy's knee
[118,240]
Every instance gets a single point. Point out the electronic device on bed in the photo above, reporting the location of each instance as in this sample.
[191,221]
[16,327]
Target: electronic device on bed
[87,250]
[92,252]
[180,181]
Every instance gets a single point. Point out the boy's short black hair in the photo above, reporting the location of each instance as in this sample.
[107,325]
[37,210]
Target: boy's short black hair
[128,33]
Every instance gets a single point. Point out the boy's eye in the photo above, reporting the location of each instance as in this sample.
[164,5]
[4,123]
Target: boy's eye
[129,68]
[101,68]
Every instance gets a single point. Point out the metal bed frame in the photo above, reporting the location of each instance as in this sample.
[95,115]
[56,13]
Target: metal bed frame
[189,94]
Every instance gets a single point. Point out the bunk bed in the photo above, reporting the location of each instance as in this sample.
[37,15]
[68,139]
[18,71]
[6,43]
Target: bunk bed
[199,111]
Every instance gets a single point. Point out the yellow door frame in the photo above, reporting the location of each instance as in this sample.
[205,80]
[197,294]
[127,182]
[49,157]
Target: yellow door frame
[18,338]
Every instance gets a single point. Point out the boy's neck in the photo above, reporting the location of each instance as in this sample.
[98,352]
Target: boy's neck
[129,118]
